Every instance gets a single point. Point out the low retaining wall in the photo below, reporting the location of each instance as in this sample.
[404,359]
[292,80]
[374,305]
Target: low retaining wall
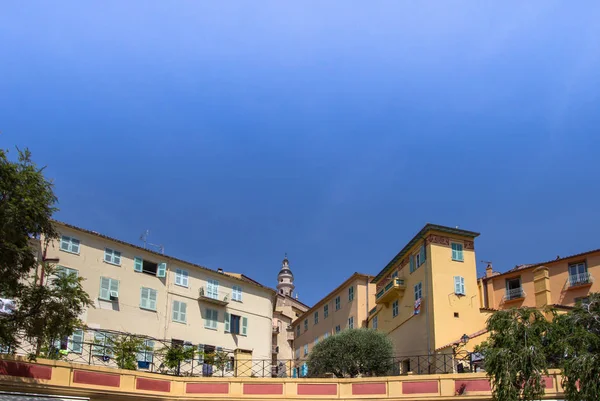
[61,378]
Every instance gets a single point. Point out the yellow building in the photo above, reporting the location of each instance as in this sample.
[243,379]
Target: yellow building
[345,307]
[136,290]
[427,296]
[560,283]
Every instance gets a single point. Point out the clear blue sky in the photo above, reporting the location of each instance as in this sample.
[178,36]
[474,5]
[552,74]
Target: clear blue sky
[237,131]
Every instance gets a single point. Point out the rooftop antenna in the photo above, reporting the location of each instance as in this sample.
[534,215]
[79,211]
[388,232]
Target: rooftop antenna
[144,238]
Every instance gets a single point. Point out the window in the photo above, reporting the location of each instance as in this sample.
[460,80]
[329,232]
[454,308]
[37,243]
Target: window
[305,324]
[325,311]
[75,342]
[459,285]
[457,252]
[375,322]
[513,288]
[305,349]
[212,289]
[395,274]
[181,277]
[351,322]
[109,289]
[298,331]
[337,303]
[337,329]
[180,312]
[316,340]
[148,298]
[316,317]
[6,306]
[578,274]
[62,271]
[456,314]
[145,266]
[69,244]
[146,353]
[297,353]
[102,344]
[351,294]
[111,256]
[235,324]
[236,295]
[210,320]
[582,300]
[418,291]
[395,308]
[416,260]
[326,335]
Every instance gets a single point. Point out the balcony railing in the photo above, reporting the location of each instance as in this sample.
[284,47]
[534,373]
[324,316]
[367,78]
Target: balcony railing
[392,290]
[576,280]
[215,297]
[514,293]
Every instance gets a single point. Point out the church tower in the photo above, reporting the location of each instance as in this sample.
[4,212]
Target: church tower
[285,279]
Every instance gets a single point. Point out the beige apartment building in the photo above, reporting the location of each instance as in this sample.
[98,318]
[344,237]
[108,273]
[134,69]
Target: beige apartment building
[136,290]
[346,307]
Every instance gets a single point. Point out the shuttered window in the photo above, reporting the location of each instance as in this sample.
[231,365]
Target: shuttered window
[148,298]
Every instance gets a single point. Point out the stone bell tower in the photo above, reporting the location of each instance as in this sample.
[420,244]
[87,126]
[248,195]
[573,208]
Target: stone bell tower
[285,279]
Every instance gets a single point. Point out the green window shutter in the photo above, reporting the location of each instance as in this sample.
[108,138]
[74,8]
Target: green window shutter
[227,323]
[152,299]
[76,341]
[175,313]
[137,264]
[104,288]
[423,255]
[114,286]
[182,312]
[144,297]
[162,270]
[412,263]
[244,326]
[207,316]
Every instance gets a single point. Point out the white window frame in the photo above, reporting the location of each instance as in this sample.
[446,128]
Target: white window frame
[147,302]
[112,257]
[147,353]
[351,293]
[212,318]
[459,285]
[70,242]
[212,288]
[325,311]
[102,344]
[111,286]
[351,322]
[418,289]
[305,349]
[177,312]
[395,308]
[305,325]
[338,303]
[460,256]
[182,277]
[236,293]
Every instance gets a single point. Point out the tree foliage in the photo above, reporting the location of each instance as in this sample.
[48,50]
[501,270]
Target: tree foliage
[523,345]
[125,348]
[48,303]
[352,353]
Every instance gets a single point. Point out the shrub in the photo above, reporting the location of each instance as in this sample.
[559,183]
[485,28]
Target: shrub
[352,353]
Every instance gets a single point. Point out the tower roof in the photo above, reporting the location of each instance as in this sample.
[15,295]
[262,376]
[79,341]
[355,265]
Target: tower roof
[285,267]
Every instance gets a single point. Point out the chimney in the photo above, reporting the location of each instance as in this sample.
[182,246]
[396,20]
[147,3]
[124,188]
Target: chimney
[219,270]
[488,270]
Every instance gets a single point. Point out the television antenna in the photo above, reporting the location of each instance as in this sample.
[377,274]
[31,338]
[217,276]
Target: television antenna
[144,238]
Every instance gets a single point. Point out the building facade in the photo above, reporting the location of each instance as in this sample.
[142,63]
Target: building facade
[346,307]
[136,290]
[561,283]
[427,296]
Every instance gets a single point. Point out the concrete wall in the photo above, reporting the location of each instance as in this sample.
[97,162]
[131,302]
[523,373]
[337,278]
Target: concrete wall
[97,383]
[126,315]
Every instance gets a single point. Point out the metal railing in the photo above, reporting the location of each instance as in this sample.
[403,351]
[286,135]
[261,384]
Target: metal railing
[514,293]
[218,362]
[580,279]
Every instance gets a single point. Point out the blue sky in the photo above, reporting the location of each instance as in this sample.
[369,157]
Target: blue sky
[237,131]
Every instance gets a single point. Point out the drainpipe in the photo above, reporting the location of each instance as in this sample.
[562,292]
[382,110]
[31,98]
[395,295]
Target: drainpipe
[367,315]
[428,300]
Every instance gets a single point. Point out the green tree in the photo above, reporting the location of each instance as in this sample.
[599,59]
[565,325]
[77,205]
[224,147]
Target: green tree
[352,353]
[578,339]
[126,348]
[48,303]
[515,354]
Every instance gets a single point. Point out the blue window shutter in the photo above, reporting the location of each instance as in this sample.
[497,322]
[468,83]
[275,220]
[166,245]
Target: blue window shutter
[227,323]
[137,264]
[244,326]
[162,270]
[462,285]
[412,263]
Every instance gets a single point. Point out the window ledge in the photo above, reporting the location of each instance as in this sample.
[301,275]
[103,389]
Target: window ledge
[71,252]
[458,260]
[148,309]
[111,263]
[180,322]
[235,300]
[181,285]
[210,328]
[107,300]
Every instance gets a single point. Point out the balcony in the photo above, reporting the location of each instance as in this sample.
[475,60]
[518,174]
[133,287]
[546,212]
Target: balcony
[392,290]
[579,280]
[372,311]
[514,294]
[290,335]
[275,330]
[213,297]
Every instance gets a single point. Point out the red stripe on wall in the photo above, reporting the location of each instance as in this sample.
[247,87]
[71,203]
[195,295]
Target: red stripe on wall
[263,389]
[473,385]
[317,389]
[97,379]
[368,388]
[207,388]
[419,387]
[549,382]
[153,385]
[10,368]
